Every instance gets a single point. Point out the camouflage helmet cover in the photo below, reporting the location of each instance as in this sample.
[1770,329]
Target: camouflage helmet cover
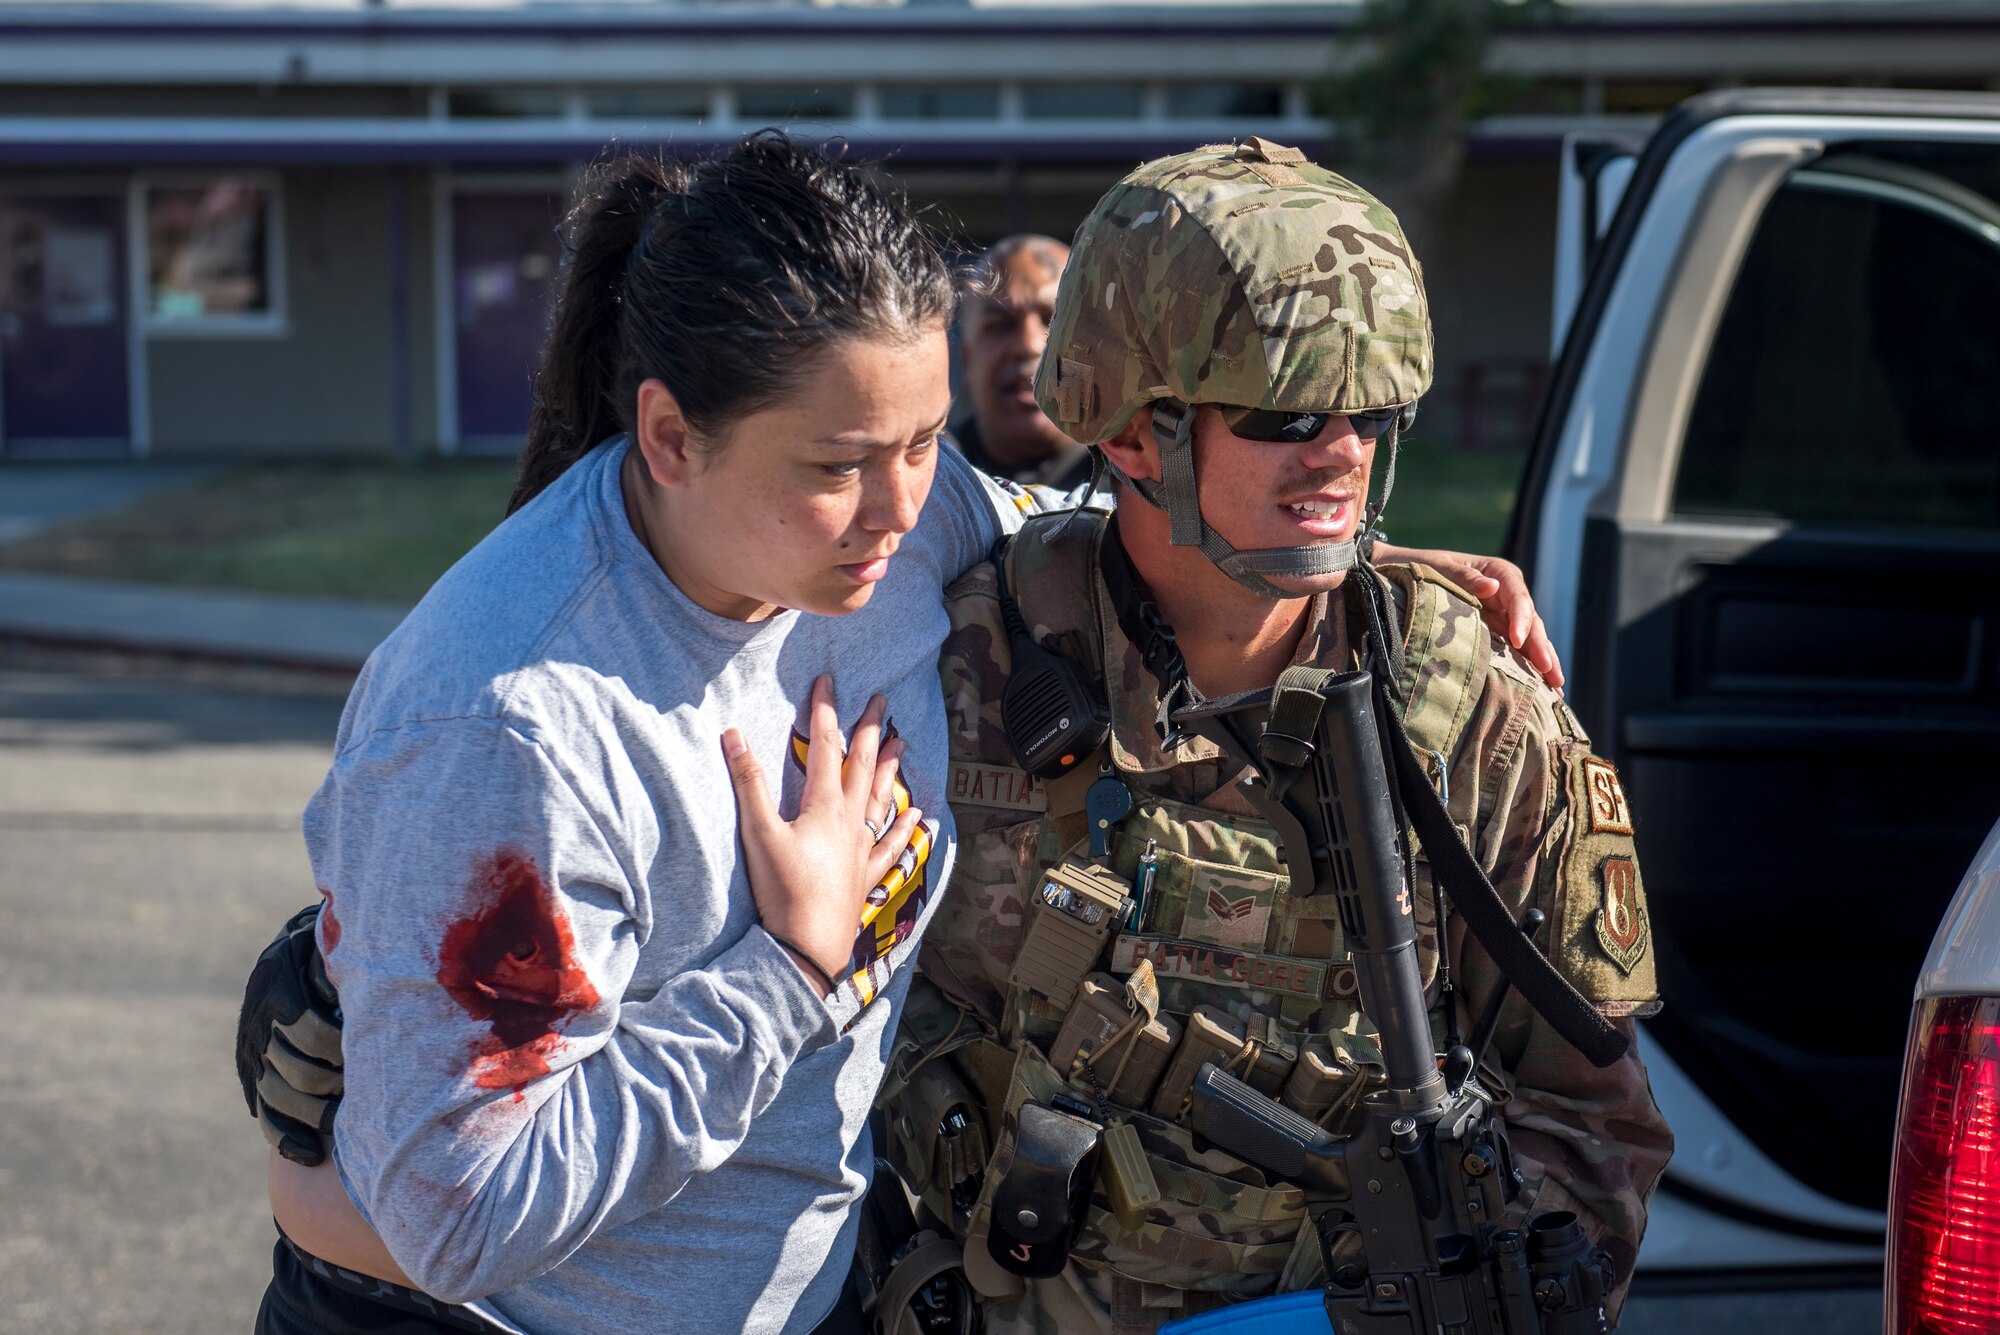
[1238,274]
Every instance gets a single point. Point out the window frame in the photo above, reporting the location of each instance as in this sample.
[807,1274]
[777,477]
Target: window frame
[1138,87]
[590,111]
[920,88]
[787,89]
[1277,86]
[274,322]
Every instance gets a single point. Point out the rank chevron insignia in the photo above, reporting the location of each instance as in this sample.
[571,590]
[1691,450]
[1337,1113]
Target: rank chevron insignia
[1230,910]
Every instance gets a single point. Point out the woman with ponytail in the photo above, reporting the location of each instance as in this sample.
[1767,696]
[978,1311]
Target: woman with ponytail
[604,1072]
[612,1023]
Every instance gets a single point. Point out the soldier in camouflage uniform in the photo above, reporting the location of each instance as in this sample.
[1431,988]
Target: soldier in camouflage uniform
[1248,277]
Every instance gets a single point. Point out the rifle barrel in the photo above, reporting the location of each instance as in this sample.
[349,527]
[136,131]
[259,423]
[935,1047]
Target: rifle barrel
[1362,862]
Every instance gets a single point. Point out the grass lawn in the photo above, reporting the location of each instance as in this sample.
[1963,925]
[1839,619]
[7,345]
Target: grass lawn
[367,529]
[1447,499]
[359,529]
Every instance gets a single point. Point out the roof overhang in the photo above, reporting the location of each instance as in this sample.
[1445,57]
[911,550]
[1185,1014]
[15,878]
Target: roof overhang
[71,142]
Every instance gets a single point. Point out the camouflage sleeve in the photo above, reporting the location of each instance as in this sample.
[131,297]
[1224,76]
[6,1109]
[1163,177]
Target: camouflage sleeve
[1588,1140]
[970,945]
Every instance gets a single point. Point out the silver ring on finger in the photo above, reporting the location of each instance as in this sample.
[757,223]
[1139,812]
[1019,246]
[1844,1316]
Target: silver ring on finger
[876,830]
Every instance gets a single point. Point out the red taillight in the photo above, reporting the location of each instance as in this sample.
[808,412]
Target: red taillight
[1944,1233]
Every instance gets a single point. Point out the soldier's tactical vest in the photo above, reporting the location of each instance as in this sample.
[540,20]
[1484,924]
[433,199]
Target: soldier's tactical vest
[1220,931]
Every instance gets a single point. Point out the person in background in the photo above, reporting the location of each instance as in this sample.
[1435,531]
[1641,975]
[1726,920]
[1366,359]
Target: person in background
[1003,327]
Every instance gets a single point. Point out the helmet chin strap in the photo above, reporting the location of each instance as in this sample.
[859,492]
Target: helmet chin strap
[1175,493]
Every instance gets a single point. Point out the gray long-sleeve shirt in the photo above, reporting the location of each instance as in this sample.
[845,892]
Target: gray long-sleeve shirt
[584,1087]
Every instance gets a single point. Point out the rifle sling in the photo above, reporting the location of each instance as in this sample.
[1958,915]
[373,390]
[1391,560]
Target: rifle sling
[1487,915]
[1140,620]
[1458,874]
[1295,717]
[1453,867]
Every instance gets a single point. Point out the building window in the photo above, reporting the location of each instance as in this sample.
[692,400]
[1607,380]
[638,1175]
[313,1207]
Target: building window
[795,104]
[1080,101]
[212,255]
[504,104]
[649,104]
[911,102]
[1224,101]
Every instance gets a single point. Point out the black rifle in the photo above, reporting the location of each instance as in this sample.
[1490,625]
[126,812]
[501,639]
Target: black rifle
[1409,1208]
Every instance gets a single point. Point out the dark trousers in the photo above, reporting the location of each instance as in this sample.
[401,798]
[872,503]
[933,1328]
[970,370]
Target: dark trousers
[309,1297]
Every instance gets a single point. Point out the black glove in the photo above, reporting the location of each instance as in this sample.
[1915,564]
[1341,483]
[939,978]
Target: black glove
[288,1042]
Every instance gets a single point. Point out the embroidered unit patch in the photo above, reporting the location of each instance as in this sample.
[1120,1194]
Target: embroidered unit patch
[1621,924]
[1609,813]
[1600,899]
[1229,907]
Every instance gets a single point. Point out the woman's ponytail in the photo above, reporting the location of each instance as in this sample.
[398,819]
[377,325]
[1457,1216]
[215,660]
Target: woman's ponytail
[767,254]
[575,391]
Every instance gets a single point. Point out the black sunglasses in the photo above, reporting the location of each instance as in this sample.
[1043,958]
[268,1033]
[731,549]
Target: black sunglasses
[1275,424]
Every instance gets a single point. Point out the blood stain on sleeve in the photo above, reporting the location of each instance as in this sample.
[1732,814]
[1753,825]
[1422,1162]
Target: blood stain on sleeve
[510,961]
[329,926]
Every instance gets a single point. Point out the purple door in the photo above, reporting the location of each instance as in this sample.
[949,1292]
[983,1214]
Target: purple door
[64,387]
[505,255]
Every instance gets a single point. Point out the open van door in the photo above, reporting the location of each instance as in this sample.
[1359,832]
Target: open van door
[1762,520]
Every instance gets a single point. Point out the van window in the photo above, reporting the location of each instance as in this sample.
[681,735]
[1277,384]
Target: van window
[1854,380]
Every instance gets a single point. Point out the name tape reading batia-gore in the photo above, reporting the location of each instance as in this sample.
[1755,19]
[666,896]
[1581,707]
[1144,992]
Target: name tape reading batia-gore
[1174,957]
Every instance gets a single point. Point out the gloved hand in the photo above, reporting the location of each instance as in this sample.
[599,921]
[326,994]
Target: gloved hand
[288,1042]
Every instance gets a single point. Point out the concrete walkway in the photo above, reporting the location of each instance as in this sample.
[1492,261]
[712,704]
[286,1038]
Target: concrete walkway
[320,633]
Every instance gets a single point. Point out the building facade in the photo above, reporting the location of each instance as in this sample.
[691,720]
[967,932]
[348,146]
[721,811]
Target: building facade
[329,227]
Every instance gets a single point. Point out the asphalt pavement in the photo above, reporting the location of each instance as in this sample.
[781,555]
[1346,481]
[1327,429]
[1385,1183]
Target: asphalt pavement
[149,846]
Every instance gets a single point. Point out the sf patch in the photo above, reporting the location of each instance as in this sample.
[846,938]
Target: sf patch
[1604,941]
[1608,812]
[1621,918]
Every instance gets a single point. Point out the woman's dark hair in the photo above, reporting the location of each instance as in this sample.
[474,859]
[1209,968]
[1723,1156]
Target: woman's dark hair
[722,278]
